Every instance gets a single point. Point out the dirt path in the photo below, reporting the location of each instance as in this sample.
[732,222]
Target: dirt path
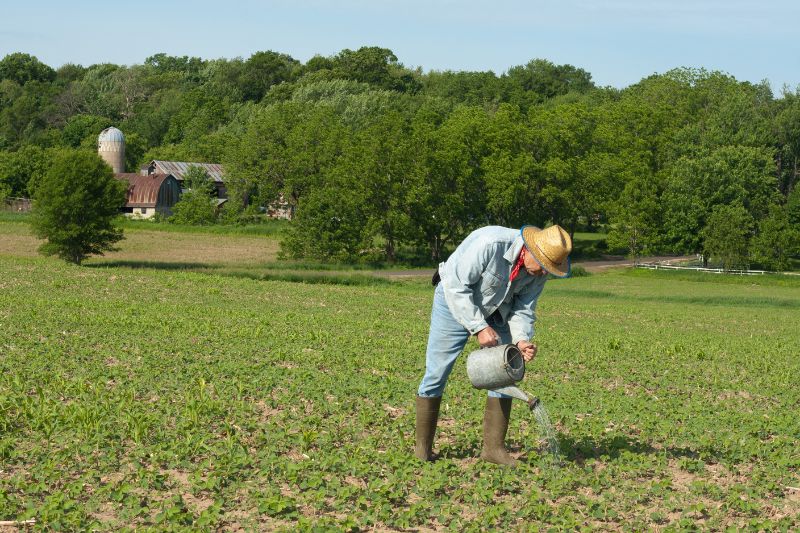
[599,266]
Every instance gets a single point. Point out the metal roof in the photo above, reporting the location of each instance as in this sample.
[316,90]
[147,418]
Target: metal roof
[142,190]
[179,168]
[111,134]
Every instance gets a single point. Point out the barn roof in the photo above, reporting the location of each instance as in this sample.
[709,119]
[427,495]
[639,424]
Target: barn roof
[179,168]
[142,190]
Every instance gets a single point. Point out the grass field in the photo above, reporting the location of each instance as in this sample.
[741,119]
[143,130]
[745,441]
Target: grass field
[171,400]
[248,252]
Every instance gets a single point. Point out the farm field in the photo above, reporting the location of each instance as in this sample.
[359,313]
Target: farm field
[165,399]
[249,252]
[143,247]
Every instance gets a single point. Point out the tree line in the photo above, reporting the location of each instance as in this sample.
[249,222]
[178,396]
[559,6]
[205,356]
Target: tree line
[379,160]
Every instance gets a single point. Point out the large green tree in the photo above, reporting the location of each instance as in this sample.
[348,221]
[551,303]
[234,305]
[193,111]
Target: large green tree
[637,218]
[739,175]
[563,139]
[776,240]
[726,237]
[514,173]
[377,66]
[265,69]
[22,68]
[20,171]
[330,225]
[539,80]
[75,206]
[449,195]
[787,137]
[379,162]
[284,150]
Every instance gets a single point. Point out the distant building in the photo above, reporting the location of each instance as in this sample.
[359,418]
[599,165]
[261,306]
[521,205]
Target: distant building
[145,198]
[18,205]
[179,169]
[151,194]
[280,209]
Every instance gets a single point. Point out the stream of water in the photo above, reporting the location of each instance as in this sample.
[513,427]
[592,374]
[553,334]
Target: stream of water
[548,433]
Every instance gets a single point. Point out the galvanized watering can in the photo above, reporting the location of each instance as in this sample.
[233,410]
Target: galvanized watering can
[498,368]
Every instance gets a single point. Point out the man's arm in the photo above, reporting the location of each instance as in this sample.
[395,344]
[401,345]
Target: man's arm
[523,311]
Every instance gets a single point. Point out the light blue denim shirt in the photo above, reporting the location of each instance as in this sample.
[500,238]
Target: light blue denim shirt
[475,279]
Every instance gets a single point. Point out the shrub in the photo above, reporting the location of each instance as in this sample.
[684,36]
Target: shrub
[196,206]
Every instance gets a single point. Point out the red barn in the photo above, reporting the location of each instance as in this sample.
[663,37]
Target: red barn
[151,194]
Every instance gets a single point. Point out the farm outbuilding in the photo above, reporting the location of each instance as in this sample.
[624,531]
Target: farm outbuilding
[151,194]
[179,169]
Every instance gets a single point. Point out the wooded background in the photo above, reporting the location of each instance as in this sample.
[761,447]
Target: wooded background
[381,160]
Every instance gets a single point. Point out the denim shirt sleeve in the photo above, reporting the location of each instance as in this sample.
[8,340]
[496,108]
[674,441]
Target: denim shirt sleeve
[458,281]
[523,311]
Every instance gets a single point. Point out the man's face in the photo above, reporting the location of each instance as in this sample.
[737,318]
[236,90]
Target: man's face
[532,267]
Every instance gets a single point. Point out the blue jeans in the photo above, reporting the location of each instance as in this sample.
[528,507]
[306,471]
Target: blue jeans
[446,341]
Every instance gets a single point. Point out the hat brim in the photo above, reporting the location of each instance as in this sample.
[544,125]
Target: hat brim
[559,270]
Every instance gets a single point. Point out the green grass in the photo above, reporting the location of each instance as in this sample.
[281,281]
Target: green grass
[268,227]
[164,399]
[588,237]
[12,216]
[588,246]
[316,278]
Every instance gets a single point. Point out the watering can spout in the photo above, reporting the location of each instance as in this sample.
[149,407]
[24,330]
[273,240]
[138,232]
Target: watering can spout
[514,392]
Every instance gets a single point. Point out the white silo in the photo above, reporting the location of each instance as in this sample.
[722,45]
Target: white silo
[111,147]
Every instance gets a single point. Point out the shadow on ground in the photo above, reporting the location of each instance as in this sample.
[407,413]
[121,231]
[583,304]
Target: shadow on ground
[257,274]
[580,450]
[611,447]
[154,265]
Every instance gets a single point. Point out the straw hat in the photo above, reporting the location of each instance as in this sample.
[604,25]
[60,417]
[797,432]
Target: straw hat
[550,247]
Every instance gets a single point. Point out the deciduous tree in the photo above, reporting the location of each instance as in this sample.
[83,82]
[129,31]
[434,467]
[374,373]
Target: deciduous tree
[196,206]
[636,218]
[75,206]
[22,68]
[776,240]
[726,236]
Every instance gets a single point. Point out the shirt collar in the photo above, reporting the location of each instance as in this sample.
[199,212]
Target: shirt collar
[512,254]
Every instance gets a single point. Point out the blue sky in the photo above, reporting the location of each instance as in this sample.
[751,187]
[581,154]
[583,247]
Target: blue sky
[618,41]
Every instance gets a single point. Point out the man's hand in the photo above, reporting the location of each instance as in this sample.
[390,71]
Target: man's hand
[528,350]
[488,337]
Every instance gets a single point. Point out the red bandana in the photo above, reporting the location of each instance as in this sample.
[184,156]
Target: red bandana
[520,263]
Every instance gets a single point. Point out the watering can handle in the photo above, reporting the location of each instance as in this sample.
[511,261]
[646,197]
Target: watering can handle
[517,354]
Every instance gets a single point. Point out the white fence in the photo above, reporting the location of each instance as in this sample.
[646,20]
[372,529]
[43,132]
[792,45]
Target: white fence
[658,266]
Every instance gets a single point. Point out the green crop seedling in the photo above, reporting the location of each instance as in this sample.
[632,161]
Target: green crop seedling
[136,398]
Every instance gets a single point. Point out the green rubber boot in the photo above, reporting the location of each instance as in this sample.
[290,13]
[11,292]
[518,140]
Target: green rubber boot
[427,417]
[495,426]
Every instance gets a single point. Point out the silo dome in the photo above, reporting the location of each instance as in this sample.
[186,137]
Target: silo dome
[111,134]
[111,147]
